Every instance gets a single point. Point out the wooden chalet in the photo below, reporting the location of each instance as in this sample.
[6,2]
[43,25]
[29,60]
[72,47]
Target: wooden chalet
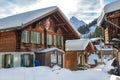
[101,48]
[77,52]
[110,21]
[33,30]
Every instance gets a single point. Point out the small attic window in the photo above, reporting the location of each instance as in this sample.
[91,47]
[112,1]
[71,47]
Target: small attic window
[34,25]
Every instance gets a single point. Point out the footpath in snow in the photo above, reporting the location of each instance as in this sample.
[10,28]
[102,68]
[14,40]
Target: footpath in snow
[57,73]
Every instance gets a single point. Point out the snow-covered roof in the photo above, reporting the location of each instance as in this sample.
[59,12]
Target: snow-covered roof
[23,19]
[20,20]
[114,6]
[49,49]
[103,49]
[96,39]
[78,44]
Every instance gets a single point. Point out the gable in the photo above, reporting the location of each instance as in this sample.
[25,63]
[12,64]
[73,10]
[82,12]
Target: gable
[22,20]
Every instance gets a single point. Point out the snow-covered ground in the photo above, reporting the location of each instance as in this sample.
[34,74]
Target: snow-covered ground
[57,73]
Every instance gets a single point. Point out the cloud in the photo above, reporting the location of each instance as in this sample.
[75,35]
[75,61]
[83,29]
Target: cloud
[86,10]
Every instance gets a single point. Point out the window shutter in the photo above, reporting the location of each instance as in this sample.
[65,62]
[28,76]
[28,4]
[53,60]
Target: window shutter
[22,60]
[55,40]
[43,38]
[32,37]
[59,40]
[27,37]
[23,36]
[38,38]
[62,40]
[12,60]
[50,39]
[31,60]
[3,61]
[47,39]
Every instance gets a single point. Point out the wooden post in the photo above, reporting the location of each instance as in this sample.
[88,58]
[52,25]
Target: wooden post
[18,40]
[45,38]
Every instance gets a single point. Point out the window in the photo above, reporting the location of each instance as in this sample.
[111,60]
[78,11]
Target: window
[25,36]
[53,59]
[7,61]
[35,37]
[59,59]
[27,60]
[49,39]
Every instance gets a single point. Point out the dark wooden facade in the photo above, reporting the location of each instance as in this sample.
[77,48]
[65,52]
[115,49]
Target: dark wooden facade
[59,30]
[112,32]
[75,57]
[50,29]
[50,58]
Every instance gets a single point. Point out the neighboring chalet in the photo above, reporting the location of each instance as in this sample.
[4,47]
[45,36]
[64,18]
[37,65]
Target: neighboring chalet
[34,31]
[77,52]
[110,21]
[101,48]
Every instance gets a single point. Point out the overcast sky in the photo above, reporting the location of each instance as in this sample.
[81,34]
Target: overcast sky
[85,10]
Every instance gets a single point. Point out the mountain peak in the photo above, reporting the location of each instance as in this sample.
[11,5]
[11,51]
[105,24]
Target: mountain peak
[76,22]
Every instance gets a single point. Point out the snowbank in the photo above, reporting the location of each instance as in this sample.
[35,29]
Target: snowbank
[108,65]
[57,73]
[113,77]
[92,58]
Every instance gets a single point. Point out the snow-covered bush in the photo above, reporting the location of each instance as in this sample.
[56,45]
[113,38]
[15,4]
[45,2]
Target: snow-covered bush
[82,67]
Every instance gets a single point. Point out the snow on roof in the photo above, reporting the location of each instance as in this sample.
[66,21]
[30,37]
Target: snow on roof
[95,39]
[103,49]
[20,19]
[107,9]
[49,49]
[78,44]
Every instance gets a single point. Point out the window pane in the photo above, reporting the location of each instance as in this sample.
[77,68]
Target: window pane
[53,58]
[59,59]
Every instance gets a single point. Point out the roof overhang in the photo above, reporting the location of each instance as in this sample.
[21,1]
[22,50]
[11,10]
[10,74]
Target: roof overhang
[55,9]
[112,7]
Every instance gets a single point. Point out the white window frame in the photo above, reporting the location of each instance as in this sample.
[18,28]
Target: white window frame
[53,58]
[26,37]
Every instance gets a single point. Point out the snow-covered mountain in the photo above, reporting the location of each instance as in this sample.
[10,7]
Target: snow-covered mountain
[76,23]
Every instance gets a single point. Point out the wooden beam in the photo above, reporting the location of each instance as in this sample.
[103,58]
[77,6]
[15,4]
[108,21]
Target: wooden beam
[56,18]
[114,15]
[61,24]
